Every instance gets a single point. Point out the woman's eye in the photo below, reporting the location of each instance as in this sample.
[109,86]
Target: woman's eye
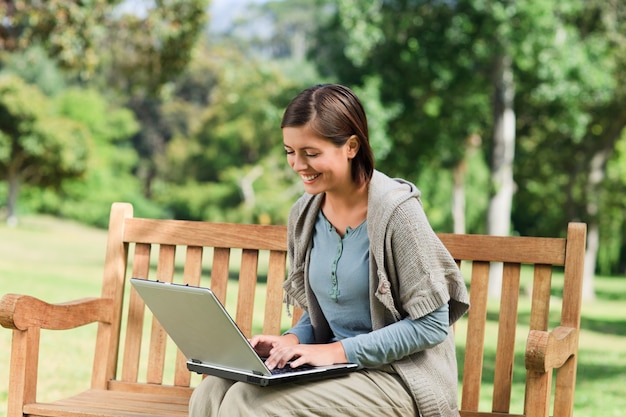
[306,154]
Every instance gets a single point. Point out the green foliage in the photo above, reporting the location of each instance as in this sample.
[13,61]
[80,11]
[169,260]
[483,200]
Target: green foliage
[109,177]
[178,25]
[68,30]
[229,165]
[612,257]
[436,59]
[245,124]
[107,163]
[378,116]
[35,67]
[185,125]
[37,146]
[260,193]
[571,122]
[107,125]
[143,55]
[424,55]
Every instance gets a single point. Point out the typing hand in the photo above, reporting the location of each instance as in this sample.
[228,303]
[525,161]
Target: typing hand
[263,344]
[297,355]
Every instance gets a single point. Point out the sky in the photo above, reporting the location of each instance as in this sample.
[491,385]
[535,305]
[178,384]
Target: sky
[224,11]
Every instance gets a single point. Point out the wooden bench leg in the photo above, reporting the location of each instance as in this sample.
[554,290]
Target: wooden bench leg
[565,382]
[23,371]
[538,387]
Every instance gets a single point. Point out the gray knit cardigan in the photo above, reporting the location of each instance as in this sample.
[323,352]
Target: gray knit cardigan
[411,274]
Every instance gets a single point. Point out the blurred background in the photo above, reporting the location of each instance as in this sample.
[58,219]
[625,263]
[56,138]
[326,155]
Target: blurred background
[508,115]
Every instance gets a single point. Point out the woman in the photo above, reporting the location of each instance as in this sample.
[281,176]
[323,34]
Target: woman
[377,286]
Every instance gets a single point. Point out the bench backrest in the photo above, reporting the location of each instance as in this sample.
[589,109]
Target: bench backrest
[195,253]
[501,354]
[203,253]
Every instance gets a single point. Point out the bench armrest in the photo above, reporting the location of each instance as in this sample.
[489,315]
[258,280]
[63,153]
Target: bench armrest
[20,312]
[550,350]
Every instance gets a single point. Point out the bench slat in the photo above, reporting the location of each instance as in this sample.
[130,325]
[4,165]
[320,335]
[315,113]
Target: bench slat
[247,290]
[570,315]
[274,296]
[538,405]
[540,303]
[136,313]
[219,273]
[103,403]
[193,265]
[183,233]
[158,338]
[514,249]
[465,413]
[507,325]
[474,347]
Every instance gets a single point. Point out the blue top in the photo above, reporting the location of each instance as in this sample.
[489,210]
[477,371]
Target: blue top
[339,278]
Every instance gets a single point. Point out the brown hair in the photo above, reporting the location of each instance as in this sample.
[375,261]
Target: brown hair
[335,113]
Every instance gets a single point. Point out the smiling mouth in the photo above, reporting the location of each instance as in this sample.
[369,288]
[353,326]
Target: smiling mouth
[310,177]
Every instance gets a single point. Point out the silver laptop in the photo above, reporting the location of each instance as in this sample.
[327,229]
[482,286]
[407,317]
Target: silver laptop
[211,341]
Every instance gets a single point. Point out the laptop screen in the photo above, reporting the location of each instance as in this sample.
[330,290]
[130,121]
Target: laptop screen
[199,325]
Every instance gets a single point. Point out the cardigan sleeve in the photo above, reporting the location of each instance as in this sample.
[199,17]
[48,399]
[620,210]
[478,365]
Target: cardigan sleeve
[423,274]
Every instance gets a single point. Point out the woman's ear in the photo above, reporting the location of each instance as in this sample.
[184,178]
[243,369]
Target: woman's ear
[353,146]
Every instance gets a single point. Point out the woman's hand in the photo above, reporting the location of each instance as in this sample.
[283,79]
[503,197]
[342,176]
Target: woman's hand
[316,355]
[263,344]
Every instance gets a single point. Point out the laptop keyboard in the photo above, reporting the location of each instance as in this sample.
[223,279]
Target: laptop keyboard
[288,369]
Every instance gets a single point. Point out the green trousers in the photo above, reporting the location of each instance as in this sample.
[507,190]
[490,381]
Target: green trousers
[360,394]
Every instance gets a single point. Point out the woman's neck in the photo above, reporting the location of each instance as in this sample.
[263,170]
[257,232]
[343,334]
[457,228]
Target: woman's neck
[346,209]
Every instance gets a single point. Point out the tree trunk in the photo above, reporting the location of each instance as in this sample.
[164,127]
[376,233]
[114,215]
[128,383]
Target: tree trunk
[499,216]
[597,167]
[458,197]
[591,254]
[246,185]
[13,181]
[472,143]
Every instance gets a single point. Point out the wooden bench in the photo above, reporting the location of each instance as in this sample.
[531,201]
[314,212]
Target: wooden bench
[127,334]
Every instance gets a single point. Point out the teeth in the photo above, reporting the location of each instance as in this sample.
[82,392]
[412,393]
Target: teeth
[310,177]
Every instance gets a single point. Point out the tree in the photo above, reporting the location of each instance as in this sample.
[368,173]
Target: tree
[231,162]
[445,62]
[278,29]
[35,67]
[606,129]
[145,53]
[434,66]
[109,176]
[573,121]
[37,147]
[69,30]
[224,161]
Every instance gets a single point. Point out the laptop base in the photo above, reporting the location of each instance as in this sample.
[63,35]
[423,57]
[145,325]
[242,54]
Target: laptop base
[314,374]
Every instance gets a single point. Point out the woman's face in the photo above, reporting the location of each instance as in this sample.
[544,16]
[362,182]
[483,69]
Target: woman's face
[322,166]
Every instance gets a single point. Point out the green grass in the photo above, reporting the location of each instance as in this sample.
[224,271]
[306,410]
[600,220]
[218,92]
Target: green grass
[59,261]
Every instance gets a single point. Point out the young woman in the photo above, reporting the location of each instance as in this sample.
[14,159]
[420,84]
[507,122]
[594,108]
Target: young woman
[377,286]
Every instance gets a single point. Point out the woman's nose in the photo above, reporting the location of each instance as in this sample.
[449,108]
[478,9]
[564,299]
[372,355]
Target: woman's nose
[298,163]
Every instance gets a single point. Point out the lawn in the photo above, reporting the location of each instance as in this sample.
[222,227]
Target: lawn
[59,261]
